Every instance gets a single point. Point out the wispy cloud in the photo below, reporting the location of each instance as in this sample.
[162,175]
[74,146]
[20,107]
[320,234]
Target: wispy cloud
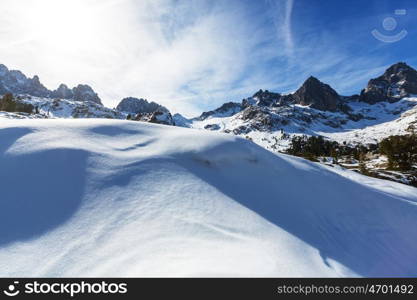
[281,11]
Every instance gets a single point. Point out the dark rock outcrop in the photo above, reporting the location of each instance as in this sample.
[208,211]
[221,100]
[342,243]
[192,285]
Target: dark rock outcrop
[398,81]
[157,117]
[212,127]
[266,98]
[316,94]
[227,109]
[15,82]
[63,92]
[133,105]
[84,92]
[259,117]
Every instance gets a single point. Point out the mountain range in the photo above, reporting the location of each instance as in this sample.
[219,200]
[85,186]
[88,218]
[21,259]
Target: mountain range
[386,107]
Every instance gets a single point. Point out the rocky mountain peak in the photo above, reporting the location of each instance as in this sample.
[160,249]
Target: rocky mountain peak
[15,82]
[317,94]
[138,105]
[227,109]
[36,80]
[157,117]
[398,81]
[266,98]
[400,67]
[3,70]
[311,80]
[84,92]
[63,92]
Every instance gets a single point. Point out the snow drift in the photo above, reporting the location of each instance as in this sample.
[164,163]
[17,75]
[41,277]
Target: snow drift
[121,198]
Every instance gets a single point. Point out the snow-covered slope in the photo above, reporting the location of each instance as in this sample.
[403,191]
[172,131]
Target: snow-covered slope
[123,198]
[64,108]
[272,127]
[384,120]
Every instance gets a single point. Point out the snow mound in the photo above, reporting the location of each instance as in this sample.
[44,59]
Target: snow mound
[121,198]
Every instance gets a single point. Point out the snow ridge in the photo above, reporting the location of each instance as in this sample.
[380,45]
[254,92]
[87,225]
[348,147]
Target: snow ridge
[153,200]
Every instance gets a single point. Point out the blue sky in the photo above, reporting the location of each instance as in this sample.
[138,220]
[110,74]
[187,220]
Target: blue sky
[194,55]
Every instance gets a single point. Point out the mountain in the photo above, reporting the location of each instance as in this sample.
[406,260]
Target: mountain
[15,82]
[349,124]
[157,117]
[317,109]
[33,100]
[317,95]
[25,106]
[263,98]
[227,109]
[312,93]
[83,92]
[352,126]
[63,92]
[144,111]
[134,106]
[398,81]
[100,198]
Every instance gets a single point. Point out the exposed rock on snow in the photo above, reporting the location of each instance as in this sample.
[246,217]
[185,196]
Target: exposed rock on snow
[12,81]
[15,82]
[271,119]
[83,92]
[64,108]
[226,110]
[157,117]
[135,106]
[263,98]
[63,92]
[398,81]
[317,95]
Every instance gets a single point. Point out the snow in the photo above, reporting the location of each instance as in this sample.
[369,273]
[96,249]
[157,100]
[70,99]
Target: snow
[379,121]
[66,108]
[121,198]
[386,119]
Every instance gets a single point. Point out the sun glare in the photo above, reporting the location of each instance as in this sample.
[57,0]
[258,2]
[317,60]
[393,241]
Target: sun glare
[62,23]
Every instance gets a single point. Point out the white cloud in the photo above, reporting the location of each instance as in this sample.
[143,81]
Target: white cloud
[177,53]
[187,55]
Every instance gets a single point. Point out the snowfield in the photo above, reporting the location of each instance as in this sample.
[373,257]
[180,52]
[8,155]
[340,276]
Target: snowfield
[122,198]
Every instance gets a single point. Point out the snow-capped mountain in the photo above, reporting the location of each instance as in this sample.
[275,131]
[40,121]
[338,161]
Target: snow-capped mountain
[134,106]
[34,101]
[117,198]
[270,119]
[386,107]
[15,82]
[398,81]
[142,110]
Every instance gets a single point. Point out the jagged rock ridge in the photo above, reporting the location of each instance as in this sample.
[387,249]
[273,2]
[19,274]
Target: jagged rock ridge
[133,105]
[15,82]
[317,95]
[398,81]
